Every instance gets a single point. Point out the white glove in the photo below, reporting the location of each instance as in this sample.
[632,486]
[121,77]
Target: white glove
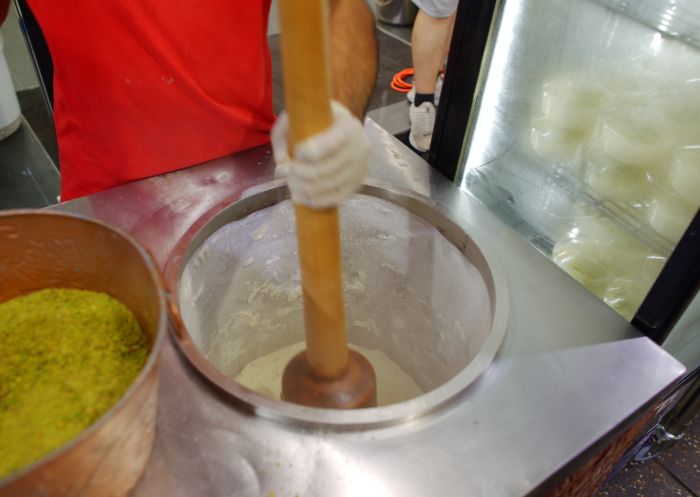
[328,166]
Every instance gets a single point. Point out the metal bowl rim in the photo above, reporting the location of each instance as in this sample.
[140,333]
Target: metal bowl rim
[375,417]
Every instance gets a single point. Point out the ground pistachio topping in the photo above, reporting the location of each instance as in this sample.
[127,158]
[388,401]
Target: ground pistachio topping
[66,357]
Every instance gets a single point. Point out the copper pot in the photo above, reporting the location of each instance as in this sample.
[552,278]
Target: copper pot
[40,249]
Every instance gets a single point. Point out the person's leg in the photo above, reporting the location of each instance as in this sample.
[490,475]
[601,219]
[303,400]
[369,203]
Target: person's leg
[428,43]
[431,30]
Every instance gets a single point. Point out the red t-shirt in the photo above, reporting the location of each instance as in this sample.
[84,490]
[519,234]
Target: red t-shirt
[143,87]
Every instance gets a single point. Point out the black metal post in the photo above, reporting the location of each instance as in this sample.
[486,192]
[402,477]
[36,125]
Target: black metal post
[674,288]
[473,23]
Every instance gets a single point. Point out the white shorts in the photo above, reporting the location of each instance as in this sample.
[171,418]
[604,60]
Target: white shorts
[437,8]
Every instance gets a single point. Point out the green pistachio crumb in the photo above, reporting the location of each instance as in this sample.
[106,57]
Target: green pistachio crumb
[66,356]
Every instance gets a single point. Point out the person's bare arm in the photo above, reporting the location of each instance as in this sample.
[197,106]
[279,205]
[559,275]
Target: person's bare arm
[353,45]
[4,8]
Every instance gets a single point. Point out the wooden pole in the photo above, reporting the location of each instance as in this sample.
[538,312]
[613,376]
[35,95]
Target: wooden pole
[307,89]
[327,374]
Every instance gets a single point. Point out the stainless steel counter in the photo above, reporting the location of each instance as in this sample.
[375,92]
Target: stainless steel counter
[570,375]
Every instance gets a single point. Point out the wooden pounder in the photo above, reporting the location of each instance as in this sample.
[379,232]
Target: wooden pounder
[327,374]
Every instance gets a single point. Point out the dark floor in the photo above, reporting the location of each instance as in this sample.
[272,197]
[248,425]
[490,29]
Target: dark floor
[28,177]
[38,115]
[674,473]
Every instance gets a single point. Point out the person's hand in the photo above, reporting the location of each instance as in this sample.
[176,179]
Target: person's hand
[328,166]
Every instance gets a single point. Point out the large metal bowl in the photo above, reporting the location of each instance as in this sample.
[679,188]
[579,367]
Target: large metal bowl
[454,311]
[43,250]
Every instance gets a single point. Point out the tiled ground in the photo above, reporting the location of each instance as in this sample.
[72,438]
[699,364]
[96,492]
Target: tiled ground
[684,461]
[674,473]
[645,480]
[34,109]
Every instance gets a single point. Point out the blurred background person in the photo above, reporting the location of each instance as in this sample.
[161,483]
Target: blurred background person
[431,36]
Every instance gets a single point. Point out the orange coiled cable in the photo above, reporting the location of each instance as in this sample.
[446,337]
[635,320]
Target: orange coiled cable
[399,81]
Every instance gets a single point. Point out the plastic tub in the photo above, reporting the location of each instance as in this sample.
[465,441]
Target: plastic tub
[634,138]
[585,262]
[685,173]
[670,214]
[553,142]
[615,180]
[572,102]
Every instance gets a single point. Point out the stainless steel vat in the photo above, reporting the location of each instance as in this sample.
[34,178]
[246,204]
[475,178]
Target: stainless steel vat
[417,287]
[53,250]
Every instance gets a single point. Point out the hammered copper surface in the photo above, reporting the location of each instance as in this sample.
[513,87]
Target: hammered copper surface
[41,250]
